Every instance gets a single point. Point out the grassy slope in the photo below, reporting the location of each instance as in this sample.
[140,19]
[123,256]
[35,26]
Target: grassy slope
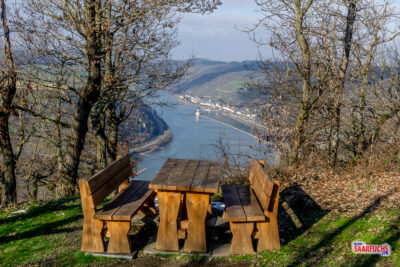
[46,235]
[218,80]
[50,235]
[327,243]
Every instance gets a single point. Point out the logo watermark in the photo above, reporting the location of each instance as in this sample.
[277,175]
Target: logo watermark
[361,247]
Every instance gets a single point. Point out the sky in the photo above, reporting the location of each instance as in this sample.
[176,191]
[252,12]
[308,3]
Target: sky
[217,36]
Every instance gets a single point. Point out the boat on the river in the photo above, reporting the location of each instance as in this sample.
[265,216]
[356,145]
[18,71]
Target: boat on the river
[197,113]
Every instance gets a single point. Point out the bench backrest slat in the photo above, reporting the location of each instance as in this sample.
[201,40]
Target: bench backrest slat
[111,185]
[275,198]
[261,184]
[103,183]
[102,177]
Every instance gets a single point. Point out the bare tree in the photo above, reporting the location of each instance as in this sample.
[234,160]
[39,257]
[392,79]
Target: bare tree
[136,66]
[92,44]
[326,56]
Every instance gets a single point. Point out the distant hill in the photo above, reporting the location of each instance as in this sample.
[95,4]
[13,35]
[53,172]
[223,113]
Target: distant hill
[219,80]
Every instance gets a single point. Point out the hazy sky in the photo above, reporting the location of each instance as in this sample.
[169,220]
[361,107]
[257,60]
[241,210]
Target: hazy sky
[215,37]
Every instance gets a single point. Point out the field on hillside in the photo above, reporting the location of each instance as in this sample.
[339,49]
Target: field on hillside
[215,80]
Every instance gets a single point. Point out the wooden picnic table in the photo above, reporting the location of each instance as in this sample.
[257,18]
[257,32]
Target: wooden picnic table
[192,181]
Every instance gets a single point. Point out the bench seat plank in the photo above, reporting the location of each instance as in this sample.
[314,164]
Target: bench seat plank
[233,205]
[134,193]
[241,204]
[257,203]
[116,202]
[250,204]
[126,212]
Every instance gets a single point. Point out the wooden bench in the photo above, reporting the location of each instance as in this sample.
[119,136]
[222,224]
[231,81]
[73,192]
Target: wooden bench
[257,204]
[117,213]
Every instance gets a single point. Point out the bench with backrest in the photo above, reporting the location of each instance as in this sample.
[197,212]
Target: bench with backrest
[117,213]
[250,205]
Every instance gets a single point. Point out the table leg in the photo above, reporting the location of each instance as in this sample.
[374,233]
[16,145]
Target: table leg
[167,236]
[197,205]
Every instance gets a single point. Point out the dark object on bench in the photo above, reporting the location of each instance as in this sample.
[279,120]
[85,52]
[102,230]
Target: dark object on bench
[255,204]
[117,213]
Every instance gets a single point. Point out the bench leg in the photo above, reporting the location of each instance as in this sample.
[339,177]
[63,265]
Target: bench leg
[92,235]
[197,206]
[119,241]
[151,205]
[167,235]
[241,240]
[269,235]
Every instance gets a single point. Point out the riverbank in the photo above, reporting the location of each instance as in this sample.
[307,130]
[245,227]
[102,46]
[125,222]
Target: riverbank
[154,144]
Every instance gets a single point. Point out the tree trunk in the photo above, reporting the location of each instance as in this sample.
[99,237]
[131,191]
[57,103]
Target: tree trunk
[305,109]
[113,125]
[88,97]
[9,179]
[336,111]
[299,137]
[361,134]
[98,125]
[8,90]
[112,119]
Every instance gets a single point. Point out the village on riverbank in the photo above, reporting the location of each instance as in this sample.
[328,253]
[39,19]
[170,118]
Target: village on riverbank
[244,114]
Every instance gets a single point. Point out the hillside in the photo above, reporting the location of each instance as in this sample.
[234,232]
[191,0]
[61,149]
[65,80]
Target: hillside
[219,80]
[145,131]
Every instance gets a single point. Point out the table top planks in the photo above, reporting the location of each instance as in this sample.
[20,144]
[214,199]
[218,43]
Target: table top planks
[188,175]
[200,177]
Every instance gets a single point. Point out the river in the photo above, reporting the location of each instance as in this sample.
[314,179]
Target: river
[196,138]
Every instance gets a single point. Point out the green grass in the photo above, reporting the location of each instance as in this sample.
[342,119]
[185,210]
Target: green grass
[50,234]
[217,197]
[327,243]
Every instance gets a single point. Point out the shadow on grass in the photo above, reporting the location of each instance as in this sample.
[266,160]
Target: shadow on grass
[370,260]
[44,229]
[197,260]
[304,210]
[329,237]
[51,206]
